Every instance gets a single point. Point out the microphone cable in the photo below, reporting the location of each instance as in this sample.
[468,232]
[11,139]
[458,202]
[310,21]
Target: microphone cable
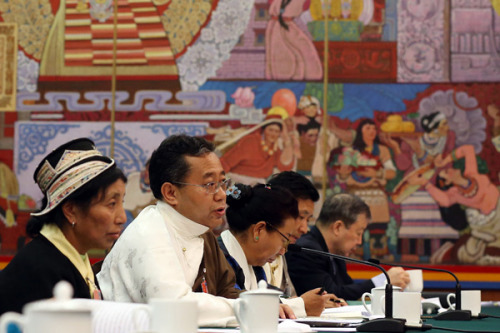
[484,315]
[426,327]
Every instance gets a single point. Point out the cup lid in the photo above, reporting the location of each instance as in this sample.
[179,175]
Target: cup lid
[63,291]
[263,290]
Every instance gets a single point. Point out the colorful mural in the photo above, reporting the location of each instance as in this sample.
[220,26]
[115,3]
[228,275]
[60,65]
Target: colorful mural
[411,121]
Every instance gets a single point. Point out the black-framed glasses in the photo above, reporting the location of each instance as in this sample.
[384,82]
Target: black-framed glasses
[287,240]
[212,187]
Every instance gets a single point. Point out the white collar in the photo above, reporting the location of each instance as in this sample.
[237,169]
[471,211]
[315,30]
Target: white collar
[182,225]
[236,251]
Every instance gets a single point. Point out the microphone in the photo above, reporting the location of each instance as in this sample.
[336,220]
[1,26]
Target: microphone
[458,313]
[387,324]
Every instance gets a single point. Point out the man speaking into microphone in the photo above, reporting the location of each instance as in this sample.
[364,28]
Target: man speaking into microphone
[338,230]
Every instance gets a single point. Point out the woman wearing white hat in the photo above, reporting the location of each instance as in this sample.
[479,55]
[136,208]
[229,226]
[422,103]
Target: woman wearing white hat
[82,209]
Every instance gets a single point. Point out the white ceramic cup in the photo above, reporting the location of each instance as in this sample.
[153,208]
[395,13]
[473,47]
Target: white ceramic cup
[471,300]
[375,309]
[257,311]
[416,280]
[170,315]
[59,314]
[407,305]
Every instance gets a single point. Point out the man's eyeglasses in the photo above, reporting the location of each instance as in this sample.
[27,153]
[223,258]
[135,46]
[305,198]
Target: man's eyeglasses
[287,240]
[212,187]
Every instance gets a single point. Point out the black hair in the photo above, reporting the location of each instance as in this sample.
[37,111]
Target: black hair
[272,204]
[453,215]
[83,198]
[311,124]
[284,4]
[358,143]
[344,207]
[168,163]
[297,184]
[272,123]
[426,122]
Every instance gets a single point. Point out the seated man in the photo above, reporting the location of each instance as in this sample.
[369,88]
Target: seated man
[339,229]
[305,193]
[168,251]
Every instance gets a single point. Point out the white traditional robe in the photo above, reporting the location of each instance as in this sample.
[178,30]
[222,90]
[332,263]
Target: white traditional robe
[158,256]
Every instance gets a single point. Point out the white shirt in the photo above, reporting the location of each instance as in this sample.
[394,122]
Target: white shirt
[158,256]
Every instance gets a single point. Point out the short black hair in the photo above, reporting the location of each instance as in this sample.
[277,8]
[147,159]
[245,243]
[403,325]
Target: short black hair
[168,163]
[299,185]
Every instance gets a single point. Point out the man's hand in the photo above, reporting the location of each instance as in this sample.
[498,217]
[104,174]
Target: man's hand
[286,312]
[315,302]
[399,277]
[335,302]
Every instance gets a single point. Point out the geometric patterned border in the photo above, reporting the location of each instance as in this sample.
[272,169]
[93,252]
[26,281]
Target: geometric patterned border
[8,66]
[134,142]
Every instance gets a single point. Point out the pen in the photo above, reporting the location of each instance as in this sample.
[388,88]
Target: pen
[335,300]
[320,292]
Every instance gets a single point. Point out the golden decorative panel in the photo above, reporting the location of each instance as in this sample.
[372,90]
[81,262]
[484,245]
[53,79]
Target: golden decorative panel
[8,66]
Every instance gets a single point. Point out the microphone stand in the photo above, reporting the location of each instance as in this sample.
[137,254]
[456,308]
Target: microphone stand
[457,314]
[387,324]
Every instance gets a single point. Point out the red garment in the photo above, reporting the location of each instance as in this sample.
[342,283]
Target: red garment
[247,158]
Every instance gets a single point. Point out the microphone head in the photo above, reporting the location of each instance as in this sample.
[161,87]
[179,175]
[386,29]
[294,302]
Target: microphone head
[294,248]
[374,261]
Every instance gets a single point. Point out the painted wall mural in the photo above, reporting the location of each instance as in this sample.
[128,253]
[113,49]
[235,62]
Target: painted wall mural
[411,124]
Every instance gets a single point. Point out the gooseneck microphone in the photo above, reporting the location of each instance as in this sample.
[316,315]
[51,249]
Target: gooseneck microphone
[387,324]
[458,313]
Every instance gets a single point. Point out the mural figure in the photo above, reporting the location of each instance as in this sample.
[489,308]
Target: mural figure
[475,191]
[308,110]
[365,169]
[415,153]
[308,125]
[308,138]
[290,54]
[256,155]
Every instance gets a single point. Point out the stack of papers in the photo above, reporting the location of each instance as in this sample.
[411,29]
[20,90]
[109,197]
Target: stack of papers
[349,311]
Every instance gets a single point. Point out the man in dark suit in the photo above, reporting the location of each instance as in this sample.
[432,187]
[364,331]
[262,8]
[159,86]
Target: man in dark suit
[339,230]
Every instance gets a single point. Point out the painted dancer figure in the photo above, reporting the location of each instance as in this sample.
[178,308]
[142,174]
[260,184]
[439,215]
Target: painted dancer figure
[290,54]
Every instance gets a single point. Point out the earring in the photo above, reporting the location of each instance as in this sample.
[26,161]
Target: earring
[73,224]
[256,238]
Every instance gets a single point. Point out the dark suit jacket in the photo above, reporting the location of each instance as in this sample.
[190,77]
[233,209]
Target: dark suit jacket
[309,271]
[33,273]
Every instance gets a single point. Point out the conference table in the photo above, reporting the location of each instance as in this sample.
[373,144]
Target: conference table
[474,325]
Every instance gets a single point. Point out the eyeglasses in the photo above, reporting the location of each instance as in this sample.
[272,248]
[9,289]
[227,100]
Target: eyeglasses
[287,240]
[212,187]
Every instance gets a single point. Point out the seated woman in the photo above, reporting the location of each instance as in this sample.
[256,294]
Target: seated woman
[82,210]
[261,219]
